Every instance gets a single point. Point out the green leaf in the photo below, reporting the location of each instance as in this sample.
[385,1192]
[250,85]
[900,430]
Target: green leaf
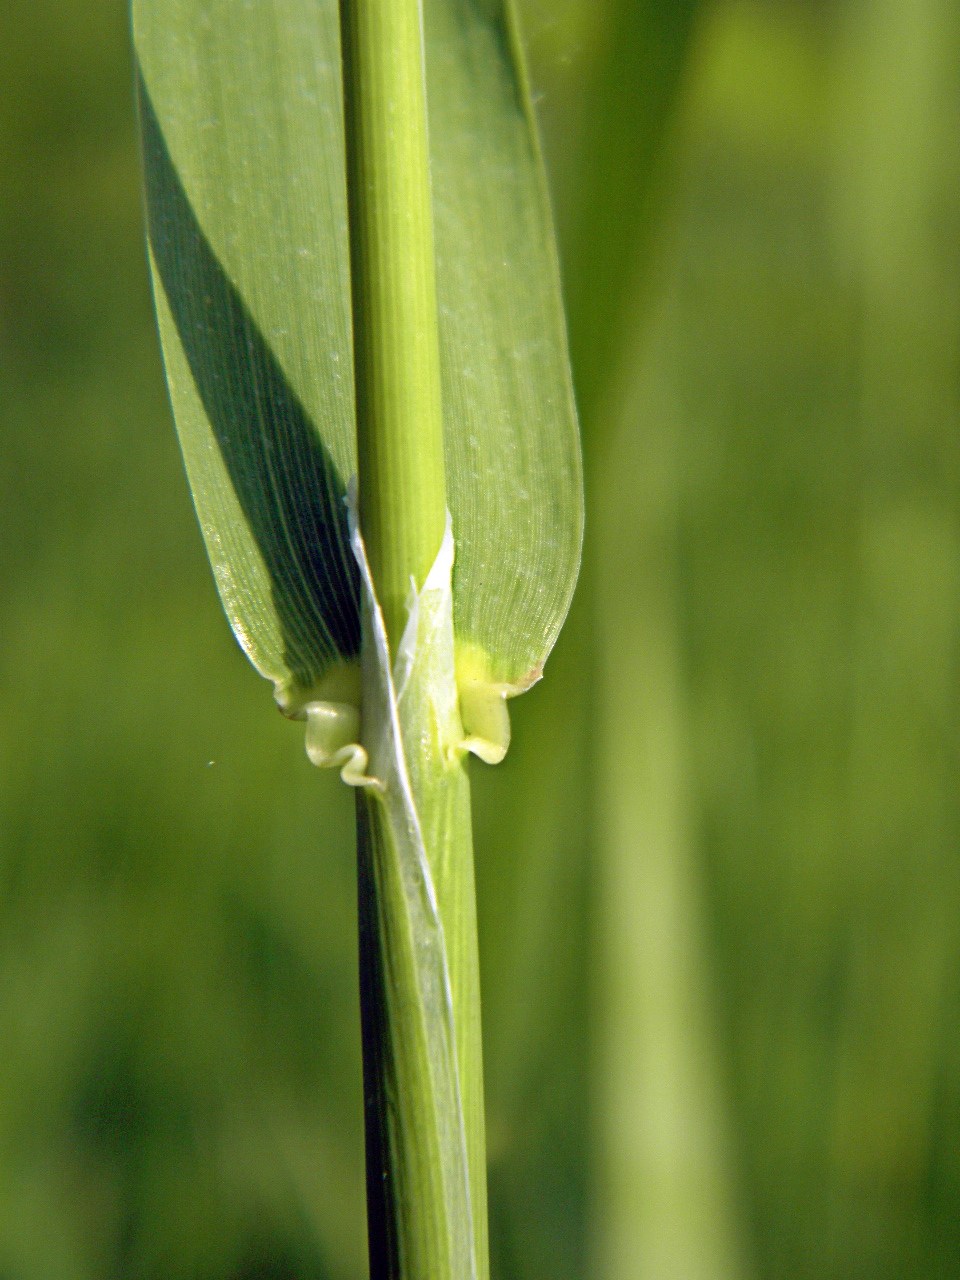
[241,109]
[243,155]
[512,443]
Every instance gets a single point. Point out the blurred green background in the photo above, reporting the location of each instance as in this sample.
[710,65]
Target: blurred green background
[719,871]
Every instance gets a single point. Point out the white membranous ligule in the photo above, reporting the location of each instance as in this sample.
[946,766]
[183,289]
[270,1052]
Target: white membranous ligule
[333,718]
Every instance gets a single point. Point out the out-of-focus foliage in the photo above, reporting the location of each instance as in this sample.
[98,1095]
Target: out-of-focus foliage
[179,1089]
[718,872]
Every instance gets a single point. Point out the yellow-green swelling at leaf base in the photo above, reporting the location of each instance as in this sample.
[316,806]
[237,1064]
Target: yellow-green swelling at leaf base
[242,118]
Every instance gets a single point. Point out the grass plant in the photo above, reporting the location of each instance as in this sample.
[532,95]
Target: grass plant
[355,277]
[765,630]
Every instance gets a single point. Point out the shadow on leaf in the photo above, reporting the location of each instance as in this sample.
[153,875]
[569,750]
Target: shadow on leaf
[284,478]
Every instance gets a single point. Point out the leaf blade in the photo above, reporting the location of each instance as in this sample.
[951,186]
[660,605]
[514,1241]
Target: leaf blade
[242,128]
[512,439]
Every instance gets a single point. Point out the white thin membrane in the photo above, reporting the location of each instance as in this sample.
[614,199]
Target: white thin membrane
[424,659]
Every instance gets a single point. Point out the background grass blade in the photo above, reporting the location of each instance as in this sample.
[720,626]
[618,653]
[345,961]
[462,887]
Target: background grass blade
[624,172]
[665,1202]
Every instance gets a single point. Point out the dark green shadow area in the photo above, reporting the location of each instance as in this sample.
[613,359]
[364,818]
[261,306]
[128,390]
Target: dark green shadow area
[286,481]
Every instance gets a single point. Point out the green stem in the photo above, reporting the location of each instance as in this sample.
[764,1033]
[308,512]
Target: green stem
[416,1228]
[402,494]
[426,1173]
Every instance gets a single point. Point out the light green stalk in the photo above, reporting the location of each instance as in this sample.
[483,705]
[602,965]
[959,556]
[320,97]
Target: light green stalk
[419,964]
[396,342]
